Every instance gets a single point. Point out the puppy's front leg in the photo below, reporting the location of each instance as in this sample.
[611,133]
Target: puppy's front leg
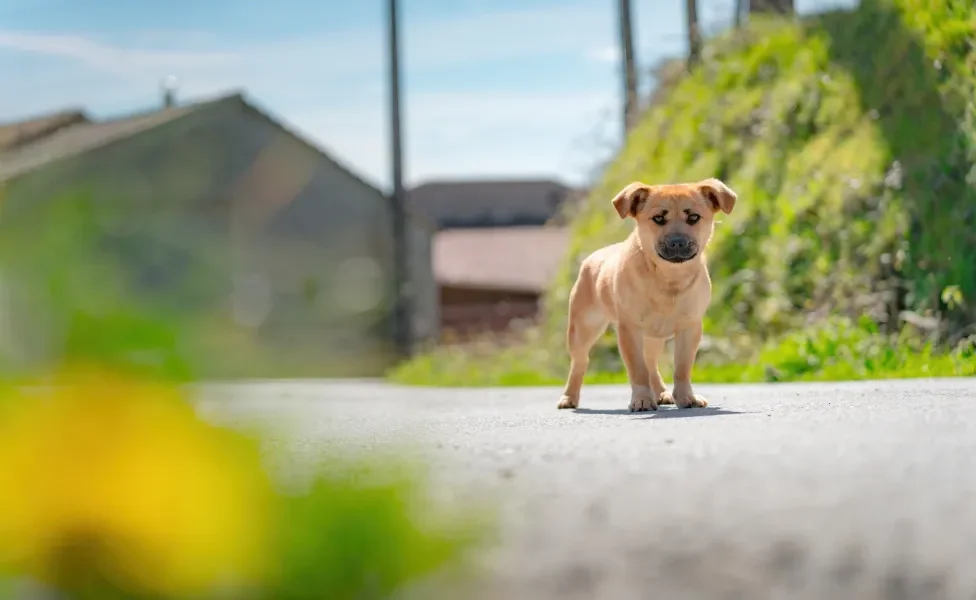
[630,342]
[653,347]
[581,334]
[686,343]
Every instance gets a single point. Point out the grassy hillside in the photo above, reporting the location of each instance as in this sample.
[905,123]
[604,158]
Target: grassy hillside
[851,140]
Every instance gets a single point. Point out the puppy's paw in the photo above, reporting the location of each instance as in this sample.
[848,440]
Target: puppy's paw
[568,402]
[687,399]
[642,402]
[665,398]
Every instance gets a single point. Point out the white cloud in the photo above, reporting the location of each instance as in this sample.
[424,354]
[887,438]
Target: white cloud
[604,54]
[109,58]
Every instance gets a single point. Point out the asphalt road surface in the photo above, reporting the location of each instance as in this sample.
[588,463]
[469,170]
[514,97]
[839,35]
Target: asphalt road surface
[799,491]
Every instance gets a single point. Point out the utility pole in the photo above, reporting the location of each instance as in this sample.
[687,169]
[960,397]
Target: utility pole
[694,33]
[739,9]
[627,63]
[401,311]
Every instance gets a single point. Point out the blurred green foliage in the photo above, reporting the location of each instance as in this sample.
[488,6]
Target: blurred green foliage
[72,294]
[851,139]
[350,536]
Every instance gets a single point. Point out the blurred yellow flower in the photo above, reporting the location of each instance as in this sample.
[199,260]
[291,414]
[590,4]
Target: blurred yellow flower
[105,478]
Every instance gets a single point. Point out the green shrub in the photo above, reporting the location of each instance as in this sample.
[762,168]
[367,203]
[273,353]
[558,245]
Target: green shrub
[838,349]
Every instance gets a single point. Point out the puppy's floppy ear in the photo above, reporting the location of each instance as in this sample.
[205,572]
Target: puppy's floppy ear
[719,195]
[630,200]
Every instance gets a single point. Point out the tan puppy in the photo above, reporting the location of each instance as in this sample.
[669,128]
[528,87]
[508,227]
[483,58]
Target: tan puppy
[653,286]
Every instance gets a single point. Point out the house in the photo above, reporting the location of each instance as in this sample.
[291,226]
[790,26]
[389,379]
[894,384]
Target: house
[498,246]
[291,252]
[493,278]
[489,203]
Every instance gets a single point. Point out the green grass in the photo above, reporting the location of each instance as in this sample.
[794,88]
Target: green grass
[851,140]
[835,349]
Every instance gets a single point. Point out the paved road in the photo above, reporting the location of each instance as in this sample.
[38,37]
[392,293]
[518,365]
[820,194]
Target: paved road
[827,491]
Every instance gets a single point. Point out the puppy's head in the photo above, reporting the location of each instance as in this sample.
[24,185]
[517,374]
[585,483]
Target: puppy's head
[674,220]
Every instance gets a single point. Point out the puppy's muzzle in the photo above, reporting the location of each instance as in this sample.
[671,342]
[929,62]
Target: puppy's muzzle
[677,248]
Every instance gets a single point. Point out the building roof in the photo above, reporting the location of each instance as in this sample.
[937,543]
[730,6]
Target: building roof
[25,131]
[503,258]
[34,143]
[78,137]
[500,202]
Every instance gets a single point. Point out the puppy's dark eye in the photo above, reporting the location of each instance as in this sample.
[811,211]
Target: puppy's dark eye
[692,219]
[659,219]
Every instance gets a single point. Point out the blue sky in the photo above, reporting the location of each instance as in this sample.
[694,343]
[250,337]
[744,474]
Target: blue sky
[491,87]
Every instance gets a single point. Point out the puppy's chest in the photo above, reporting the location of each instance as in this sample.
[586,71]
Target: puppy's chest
[661,317]
[656,324]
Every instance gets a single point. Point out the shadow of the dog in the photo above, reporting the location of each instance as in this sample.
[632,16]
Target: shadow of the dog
[660,413]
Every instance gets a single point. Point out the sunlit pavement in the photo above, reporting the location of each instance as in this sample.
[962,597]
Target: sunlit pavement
[852,490]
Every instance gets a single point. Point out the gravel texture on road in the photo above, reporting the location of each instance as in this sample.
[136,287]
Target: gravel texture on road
[792,491]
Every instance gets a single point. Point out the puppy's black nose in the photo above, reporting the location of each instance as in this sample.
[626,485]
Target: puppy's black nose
[677,243]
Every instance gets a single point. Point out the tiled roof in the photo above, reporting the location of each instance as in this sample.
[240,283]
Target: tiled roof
[25,131]
[80,137]
[503,202]
[509,258]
